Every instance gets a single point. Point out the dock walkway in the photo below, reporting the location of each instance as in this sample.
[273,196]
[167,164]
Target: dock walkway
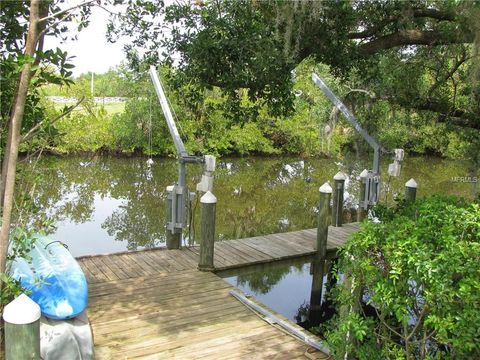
[155,304]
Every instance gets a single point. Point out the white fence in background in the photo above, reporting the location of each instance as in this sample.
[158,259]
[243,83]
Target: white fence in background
[101,100]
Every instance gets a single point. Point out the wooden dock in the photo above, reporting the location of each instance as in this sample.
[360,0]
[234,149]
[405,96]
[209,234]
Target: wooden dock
[155,304]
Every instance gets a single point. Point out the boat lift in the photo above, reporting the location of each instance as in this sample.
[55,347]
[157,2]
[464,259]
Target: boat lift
[372,177]
[179,194]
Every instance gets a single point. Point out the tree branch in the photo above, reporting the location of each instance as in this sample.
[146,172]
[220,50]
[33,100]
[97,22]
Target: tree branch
[452,71]
[369,93]
[58,13]
[34,129]
[417,13]
[414,37]
[59,21]
[455,116]
[9,167]
[385,323]
[434,14]
[417,324]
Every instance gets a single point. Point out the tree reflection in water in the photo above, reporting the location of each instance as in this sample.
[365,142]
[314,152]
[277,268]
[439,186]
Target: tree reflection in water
[123,203]
[286,287]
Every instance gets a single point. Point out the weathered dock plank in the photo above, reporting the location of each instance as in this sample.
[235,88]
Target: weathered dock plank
[155,304]
[178,315]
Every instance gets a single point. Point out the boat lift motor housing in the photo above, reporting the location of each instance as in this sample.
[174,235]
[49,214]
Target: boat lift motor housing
[395,167]
[180,195]
[206,184]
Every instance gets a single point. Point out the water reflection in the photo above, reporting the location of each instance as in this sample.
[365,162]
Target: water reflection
[295,288]
[105,204]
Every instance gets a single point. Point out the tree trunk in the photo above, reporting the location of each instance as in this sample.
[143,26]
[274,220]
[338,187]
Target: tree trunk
[43,12]
[10,160]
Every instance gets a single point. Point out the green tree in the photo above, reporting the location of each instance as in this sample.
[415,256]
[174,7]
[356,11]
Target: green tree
[224,44]
[254,45]
[27,66]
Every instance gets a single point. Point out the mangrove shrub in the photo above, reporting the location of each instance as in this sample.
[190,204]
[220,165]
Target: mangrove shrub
[412,287]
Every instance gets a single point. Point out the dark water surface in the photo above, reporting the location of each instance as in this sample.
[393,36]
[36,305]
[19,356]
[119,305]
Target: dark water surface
[284,287]
[105,204]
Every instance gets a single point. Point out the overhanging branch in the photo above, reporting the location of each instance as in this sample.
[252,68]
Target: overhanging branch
[453,116]
[414,37]
[416,13]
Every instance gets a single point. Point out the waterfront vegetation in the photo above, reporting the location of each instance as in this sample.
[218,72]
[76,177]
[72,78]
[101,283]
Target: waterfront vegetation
[313,128]
[413,284]
[238,78]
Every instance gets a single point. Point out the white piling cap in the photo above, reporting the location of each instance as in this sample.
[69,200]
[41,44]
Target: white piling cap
[208,198]
[21,311]
[340,176]
[364,174]
[325,188]
[411,183]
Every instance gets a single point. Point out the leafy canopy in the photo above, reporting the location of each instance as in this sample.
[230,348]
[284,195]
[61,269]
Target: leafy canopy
[255,44]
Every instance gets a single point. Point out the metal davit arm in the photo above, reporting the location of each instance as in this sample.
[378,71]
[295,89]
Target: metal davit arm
[178,195]
[352,120]
[371,180]
[172,127]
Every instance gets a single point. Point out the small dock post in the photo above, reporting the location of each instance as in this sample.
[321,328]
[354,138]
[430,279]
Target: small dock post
[207,243]
[337,209]
[318,265]
[173,240]
[323,220]
[22,329]
[410,190]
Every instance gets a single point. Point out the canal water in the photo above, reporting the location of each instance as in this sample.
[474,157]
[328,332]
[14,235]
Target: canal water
[272,285]
[106,204]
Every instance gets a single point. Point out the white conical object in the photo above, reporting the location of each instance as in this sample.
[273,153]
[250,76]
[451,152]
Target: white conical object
[340,176]
[208,198]
[21,311]
[325,188]
[364,174]
[411,183]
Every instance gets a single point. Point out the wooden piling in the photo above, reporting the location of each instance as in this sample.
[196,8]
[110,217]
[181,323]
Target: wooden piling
[337,209]
[173,240]
[318,264]
[323,220]
[208,206]
[315,310]
[410,190]
[22,329]
[362,208]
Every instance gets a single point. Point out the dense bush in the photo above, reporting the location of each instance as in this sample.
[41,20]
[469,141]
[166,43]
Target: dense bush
[418,270]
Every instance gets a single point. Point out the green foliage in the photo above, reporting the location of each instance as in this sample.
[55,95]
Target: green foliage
[419,269]
[249,139]
[228,44]
[112,83]
[85,132]
[409,68]
[207,126]
[10,289]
